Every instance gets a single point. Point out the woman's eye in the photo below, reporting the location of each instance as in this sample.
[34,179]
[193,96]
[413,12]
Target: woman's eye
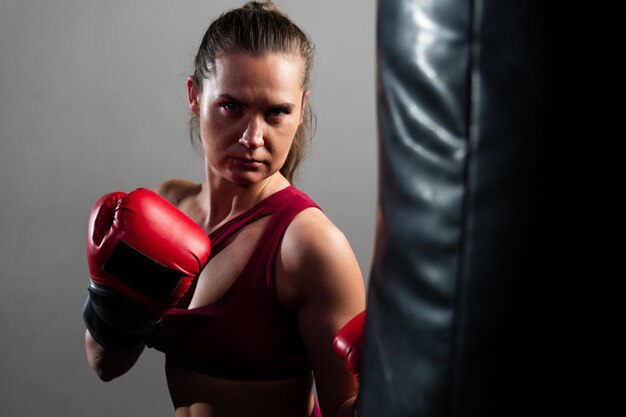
[231,107]
[277,112]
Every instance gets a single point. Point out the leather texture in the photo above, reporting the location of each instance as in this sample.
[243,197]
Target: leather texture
[143,247]
[348,343]
[464,99]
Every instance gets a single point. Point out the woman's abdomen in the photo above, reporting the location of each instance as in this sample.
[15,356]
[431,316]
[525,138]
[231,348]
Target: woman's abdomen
[198,395]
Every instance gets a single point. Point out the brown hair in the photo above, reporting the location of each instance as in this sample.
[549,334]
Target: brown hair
[257,28]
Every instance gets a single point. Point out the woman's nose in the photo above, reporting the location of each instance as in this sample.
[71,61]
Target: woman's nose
[253,135]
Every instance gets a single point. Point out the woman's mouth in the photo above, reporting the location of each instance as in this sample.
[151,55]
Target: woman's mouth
[246,163]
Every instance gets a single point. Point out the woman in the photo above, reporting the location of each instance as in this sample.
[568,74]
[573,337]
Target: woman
[282,279]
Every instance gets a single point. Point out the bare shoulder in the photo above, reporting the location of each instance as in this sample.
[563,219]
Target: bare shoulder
[320,260]
[178,189]
[311,232]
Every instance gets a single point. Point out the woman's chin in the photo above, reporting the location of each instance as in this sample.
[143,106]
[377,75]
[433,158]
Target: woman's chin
[244,178]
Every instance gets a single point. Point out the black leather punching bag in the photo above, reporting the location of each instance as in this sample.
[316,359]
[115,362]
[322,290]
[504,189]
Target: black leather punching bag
[465,96]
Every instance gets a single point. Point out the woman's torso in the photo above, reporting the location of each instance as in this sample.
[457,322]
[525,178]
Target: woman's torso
[244,328]
[198,395]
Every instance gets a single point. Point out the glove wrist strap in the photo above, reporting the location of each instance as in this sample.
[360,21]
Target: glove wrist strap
[114,321]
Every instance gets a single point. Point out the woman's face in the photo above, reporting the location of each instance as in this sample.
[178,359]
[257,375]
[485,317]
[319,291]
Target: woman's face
[249,112]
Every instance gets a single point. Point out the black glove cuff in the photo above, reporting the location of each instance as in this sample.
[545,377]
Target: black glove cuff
[107,336]
[114,321]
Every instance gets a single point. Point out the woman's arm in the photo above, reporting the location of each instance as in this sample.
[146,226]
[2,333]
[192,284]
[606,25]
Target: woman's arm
[121,311]
[323,278]
[106,364]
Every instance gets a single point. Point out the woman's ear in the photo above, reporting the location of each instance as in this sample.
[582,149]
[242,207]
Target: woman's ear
[305,102]
[193,95]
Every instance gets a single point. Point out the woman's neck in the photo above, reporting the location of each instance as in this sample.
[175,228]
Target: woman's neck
[226,200]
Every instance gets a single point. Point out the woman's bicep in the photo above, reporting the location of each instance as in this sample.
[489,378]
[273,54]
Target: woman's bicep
[330,292]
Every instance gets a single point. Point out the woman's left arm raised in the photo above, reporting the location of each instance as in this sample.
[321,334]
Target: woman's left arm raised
[319,274]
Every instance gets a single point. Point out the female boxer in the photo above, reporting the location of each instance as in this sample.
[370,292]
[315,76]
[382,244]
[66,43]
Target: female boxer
[256,331]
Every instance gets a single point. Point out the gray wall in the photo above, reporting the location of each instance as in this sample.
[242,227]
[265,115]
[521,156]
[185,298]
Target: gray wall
[92,99]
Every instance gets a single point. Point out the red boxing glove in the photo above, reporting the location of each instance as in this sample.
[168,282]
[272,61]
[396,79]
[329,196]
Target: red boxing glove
[348,343]
[143,255]
[142,246]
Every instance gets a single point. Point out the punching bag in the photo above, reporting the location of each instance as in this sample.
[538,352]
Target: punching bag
[465,92]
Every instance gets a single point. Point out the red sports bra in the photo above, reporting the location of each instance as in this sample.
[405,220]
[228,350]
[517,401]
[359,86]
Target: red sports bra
[247,334]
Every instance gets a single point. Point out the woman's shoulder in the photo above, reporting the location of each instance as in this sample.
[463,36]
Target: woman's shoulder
[317,264]
[311,219]
[176,190]
[312,237]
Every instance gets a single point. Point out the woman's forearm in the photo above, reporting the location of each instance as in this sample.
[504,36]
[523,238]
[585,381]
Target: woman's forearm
[106,364]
